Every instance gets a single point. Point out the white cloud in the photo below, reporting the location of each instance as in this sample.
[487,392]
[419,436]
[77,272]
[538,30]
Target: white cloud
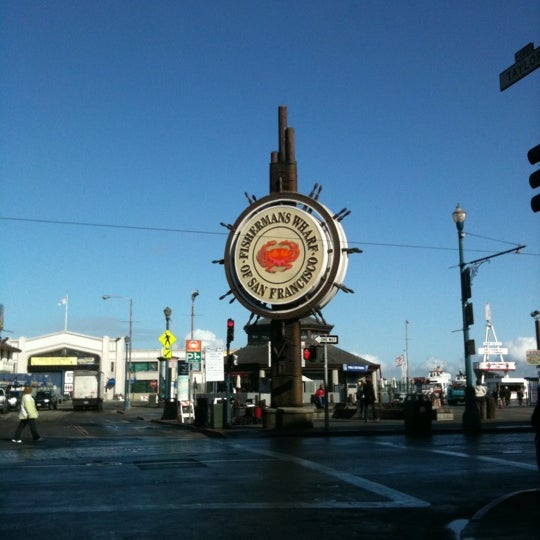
[517,348]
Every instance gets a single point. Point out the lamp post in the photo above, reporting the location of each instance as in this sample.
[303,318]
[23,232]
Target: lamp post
[170,407]
[129,348]
[191,385]
[536,316]
[471,415]
[194,295]
[167,312]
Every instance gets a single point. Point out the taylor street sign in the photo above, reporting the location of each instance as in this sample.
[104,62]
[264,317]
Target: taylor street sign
[326,339]
[527,60]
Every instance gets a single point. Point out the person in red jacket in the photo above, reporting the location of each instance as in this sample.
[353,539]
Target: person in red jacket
[320,396]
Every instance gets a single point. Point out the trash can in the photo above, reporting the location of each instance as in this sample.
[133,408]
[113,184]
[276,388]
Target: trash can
[491,406]
[152,400]
[418,414]
[216,416]
[201,412]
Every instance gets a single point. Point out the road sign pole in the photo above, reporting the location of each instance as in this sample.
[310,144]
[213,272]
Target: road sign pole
[326,415]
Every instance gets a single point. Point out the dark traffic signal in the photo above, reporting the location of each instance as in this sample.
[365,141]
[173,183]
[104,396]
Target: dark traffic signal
[534,180]
[230,331]
[466,284]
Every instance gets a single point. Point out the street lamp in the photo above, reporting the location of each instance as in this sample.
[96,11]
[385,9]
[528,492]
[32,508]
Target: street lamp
[170,409]
[536,316]
[167,312]
[129,348]
[194,295]
[471,415]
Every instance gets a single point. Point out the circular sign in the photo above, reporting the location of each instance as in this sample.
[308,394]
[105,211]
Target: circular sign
[284,255]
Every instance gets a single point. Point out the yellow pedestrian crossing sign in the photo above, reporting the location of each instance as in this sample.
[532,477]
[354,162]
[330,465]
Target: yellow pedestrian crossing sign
[167,339]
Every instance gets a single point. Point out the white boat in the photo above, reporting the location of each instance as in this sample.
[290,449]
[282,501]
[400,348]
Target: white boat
[437,376]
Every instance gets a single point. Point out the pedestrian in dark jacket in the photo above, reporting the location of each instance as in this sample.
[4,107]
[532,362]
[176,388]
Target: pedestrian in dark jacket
[369,399]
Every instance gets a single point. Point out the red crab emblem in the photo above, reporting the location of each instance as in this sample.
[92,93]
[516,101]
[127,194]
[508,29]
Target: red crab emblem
[274,256]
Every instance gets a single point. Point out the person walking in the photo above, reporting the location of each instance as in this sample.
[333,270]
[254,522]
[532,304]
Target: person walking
[28,415]
[369,399]
[480,393]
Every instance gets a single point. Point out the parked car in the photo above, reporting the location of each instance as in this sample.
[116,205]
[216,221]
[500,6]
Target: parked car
[3,401]
[46,399]
[14,399]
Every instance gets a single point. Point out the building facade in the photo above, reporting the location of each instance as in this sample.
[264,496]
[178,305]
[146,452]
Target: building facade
[50,360]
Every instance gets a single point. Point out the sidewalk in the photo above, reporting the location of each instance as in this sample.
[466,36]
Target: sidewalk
[510,419]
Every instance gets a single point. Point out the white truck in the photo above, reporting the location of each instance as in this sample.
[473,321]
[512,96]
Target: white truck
[87,390]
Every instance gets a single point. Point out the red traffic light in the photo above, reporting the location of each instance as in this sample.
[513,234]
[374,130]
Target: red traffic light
[230,330]
[306,354]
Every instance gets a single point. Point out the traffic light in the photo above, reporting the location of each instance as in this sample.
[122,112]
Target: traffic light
[230,331]
[466,284]
[534,180]
[310,354]
[469,314]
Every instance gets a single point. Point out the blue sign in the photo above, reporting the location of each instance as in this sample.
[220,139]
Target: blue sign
[359,368]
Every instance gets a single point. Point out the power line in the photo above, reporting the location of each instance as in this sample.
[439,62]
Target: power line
[217,233]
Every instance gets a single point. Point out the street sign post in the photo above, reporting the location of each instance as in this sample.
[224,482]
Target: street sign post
[326,339]
[526,59]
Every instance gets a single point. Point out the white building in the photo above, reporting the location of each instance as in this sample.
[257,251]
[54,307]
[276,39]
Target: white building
[51,359]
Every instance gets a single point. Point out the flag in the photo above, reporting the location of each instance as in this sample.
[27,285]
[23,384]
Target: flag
[399,360]
[63,302]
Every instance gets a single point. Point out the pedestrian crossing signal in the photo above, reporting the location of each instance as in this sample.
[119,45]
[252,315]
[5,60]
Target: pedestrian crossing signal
[310,354]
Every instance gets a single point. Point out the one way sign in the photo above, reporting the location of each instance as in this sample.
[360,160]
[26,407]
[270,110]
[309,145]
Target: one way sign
[326,339]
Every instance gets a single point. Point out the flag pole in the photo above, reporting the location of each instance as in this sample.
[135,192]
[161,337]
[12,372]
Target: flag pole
[66,312]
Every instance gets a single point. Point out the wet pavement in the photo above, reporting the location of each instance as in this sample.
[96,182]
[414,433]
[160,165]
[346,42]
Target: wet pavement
[488,523]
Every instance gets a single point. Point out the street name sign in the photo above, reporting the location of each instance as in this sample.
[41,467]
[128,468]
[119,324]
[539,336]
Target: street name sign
[526,59]
[533,357]
[326,339]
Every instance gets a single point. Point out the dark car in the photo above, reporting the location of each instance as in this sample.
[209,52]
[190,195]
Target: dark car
[46,399]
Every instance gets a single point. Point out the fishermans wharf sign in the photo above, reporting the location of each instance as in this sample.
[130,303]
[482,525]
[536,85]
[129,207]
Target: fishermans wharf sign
[285,256]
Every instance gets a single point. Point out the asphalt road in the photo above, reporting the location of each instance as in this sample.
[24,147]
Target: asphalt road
[115,476]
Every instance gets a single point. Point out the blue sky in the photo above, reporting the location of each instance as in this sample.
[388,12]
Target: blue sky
[154,118]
